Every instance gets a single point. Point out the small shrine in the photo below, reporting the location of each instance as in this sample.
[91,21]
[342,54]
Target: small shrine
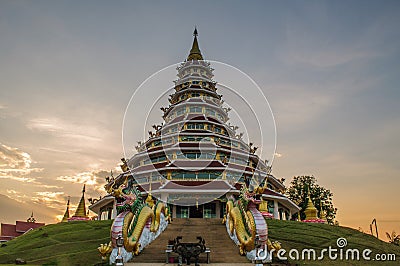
[311,213]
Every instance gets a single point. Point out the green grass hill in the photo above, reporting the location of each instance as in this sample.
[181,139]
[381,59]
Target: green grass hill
[76,243]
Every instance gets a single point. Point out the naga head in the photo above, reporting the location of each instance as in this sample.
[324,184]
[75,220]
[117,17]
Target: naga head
[248,196]
[125,193]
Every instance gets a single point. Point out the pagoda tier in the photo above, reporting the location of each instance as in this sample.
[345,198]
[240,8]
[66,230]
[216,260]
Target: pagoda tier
[195,142]
[196,153]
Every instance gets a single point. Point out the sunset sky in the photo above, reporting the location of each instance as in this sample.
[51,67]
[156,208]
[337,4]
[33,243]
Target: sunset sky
[330,70]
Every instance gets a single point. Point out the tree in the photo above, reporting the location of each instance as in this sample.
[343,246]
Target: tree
[320,196]
[393,238]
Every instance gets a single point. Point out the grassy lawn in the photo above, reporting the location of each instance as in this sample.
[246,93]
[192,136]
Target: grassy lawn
[76,243]
[59,244]
[295,235]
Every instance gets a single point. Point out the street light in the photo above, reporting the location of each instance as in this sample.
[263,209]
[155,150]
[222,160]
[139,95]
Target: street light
[120,243]
[258,245]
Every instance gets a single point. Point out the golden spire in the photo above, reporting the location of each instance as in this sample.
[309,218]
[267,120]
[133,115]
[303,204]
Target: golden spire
[66,214]
[195,53]
[81,210]
[310,211]
[149,199]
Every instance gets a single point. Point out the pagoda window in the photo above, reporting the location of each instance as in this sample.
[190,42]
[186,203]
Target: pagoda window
[217,129]
[271,206]
[177,176]
[180,111]
[179,155]
[195,109]
[141,180]
[157,143]
[191,138]
[135,165]
[167,141]
[182,211]
[238,161]
[196,94]
[159,159]
[214,175]
[156,177]
[210,112]
[199,126]
[207,139]
[206,155]
[191,155]
[209,210]
[203,176]
[190,175]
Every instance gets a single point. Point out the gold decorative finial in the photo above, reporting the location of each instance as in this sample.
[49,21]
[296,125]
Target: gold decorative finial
[31,219]
[195,53]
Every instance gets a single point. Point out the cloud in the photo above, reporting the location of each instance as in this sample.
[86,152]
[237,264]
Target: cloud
[17,195]
[65,129]
[16,164]
[89,177]
[50,199]
[278,155]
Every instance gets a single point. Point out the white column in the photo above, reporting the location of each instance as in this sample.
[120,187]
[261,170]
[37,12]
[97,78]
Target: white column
[276,212]
[283,215]
[114,211]
[164,197]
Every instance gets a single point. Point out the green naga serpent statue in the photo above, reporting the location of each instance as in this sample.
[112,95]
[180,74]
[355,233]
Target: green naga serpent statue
[138,221]
[244,221]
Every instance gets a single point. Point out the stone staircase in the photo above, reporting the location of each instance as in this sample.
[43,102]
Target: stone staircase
[223,249]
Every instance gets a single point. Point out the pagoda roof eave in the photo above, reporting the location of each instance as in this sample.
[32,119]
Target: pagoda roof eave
[95,207]
[283,199]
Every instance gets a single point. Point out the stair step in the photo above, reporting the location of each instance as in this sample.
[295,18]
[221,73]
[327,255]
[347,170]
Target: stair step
[223,249]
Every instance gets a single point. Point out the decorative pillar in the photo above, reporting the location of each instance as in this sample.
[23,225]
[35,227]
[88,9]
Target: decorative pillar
[276,211]
[217,209]
[173,211]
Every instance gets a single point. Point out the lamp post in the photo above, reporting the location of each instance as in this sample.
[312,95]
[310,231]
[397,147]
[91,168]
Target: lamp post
[120,243]
[257,245]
